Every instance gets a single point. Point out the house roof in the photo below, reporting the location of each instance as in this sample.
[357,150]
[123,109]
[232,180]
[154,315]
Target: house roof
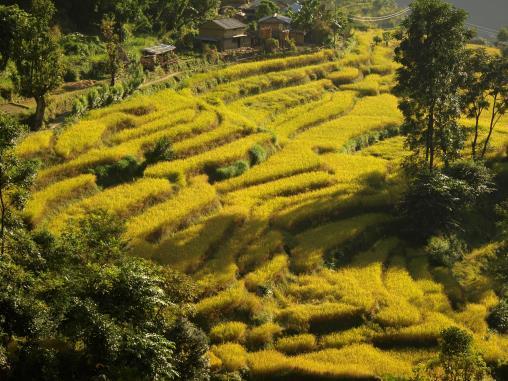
[229,23]
[282,19]
[159,49]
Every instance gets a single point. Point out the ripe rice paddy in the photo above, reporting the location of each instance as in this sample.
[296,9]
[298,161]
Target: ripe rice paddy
[260,244]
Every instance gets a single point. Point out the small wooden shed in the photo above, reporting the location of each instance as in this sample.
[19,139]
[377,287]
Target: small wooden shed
[158,55]
[226,34]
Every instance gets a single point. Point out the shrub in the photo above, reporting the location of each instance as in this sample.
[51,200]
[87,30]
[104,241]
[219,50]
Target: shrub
[434,200]
[161,151]
[233,331]
[257,154]
[498,317]
[125,170]
[230,171]
[296,344]
[445,250]
[271,45]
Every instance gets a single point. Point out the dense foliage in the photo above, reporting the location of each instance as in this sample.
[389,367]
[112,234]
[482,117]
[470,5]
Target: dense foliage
[79,308]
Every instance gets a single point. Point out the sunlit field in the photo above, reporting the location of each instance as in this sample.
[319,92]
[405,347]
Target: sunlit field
[279,202]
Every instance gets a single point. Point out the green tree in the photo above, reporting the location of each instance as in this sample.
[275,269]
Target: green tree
[174,16]
[387,36]
[431,53]
[15,179]
[322,20]
[497,78]
[37,56]
[266,8]
[502,35]
[436,199]
[80,308]
[113,45]
[457,359]
[476,86]
[10,17]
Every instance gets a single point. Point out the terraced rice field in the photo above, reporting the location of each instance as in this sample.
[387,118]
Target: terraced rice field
[300,275]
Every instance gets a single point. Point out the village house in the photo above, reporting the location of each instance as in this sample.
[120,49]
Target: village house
[226,34]
[279,27]
[159,55]
[277,24]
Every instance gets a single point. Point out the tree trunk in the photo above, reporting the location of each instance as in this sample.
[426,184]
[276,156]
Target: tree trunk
[491,127]
[39,112]
[113,77]
[475,140]
[430,138]
[3,211]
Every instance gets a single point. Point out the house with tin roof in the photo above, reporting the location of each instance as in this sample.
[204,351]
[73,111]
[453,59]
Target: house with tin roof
[225,33]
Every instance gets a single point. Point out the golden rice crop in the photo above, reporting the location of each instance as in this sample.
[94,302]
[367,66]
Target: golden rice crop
[260,250]
[168,121]
[220,155]
[357,335]
[272,272]
[262,335]
[355,362]
[186,250]
[313,243]
[122,200]
[233,356]
[286,186]
[292,345]
[201,81]
[226,131]
[35,143]
[346,75]
[232,331]
[47,200]
[168,215]
[234,301]
[77,138]
[256,84]
[370,85]
[339,103]
[263,107]
[289,161]
[323,316]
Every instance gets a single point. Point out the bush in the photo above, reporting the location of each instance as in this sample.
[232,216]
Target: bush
[498,317]
[434,200]
[230,171]
[257,154]
[161,151]
[71,75]
[445,251]
[125,170]
[271,45]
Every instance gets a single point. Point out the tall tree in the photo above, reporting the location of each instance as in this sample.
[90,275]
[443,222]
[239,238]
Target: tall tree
[431,53]
[10,18]
[497,78]
[476,86]
[113,44]
[173,16]
[37,56]
[266,8]
[78,307]
[15,178]
[457,359]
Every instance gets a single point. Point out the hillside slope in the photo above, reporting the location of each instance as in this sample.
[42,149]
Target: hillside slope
[301,276]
